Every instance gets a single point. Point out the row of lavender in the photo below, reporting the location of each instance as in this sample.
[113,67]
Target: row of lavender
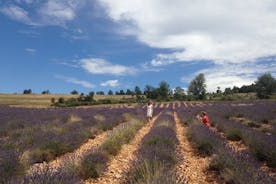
[237,167]
[29,136]
[93,163]
[261,145]
[156,156]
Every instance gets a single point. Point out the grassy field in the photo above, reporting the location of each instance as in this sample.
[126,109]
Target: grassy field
[39,100]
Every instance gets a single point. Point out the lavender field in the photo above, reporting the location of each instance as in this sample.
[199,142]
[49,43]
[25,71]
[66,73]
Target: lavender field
[116,144]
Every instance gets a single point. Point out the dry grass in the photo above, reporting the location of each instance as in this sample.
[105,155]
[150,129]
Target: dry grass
[42,101]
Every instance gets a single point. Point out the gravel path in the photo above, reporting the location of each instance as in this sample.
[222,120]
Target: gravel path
[190,166]
[74,157]
[119,164]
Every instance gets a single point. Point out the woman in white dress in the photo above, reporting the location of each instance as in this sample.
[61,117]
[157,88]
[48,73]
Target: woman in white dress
[149,110]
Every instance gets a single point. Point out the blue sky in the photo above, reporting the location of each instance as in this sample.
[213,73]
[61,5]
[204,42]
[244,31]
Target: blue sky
[103,44]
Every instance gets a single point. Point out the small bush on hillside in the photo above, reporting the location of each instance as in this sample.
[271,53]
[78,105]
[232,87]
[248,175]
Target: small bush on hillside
[233,134]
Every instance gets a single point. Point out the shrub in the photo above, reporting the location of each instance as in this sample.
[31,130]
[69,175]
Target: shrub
[152,172]
[93,165]
[113,144]
[263,150]
[253,124]
[205,147]
[49,151]
[53,100]
[233,134]
[48,176]
[213,123]
[61,100]
[237,168]
[9,165]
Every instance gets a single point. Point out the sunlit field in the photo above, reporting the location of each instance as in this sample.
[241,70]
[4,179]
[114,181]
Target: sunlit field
[42,101]
[116,144]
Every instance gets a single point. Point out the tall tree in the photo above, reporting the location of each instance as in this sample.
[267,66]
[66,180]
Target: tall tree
[110,92]
[178,93]
[121,92]
[265,85]
[164,89]
[150,92]
[198,87]
[129,92]
[137,91]
[100,93]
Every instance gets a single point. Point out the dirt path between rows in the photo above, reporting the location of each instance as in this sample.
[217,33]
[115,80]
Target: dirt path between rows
[120,164]
[72,157]
[189,165]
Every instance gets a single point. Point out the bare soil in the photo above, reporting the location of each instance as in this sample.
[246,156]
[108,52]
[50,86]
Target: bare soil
[191,166]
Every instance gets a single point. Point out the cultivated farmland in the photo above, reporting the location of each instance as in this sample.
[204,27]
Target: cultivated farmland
[116,144]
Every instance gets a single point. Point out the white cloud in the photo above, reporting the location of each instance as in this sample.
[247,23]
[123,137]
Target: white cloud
[43,13]
[75,81]
[55,12]
[31,51]
[101,66]
[111,83]
[219,30]
[229,75]
[16,13]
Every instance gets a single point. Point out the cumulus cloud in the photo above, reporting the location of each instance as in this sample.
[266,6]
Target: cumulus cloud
[229,75]
[101,66]
[110,83]
[218,30]
[233,35]
[75,81]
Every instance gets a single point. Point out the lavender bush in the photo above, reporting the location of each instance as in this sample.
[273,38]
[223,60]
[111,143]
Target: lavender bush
[156,157]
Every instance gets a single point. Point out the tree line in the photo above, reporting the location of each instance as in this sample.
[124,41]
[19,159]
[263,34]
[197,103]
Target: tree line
[264,87]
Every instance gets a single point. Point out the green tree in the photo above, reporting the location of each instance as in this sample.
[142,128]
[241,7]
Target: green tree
[129,92]
[100,93]
[121,92]
[197,87]
[90,97]
[178,93]
[46,92]
[265,85]
[27,91]
[219,90]
[235,89]
[137,91]
[227,91]
[74,92]
[164,89]
[110,92]
[150,92]
[61,100]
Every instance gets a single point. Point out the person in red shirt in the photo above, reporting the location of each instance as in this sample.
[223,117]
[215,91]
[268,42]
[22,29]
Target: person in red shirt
[205,119]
